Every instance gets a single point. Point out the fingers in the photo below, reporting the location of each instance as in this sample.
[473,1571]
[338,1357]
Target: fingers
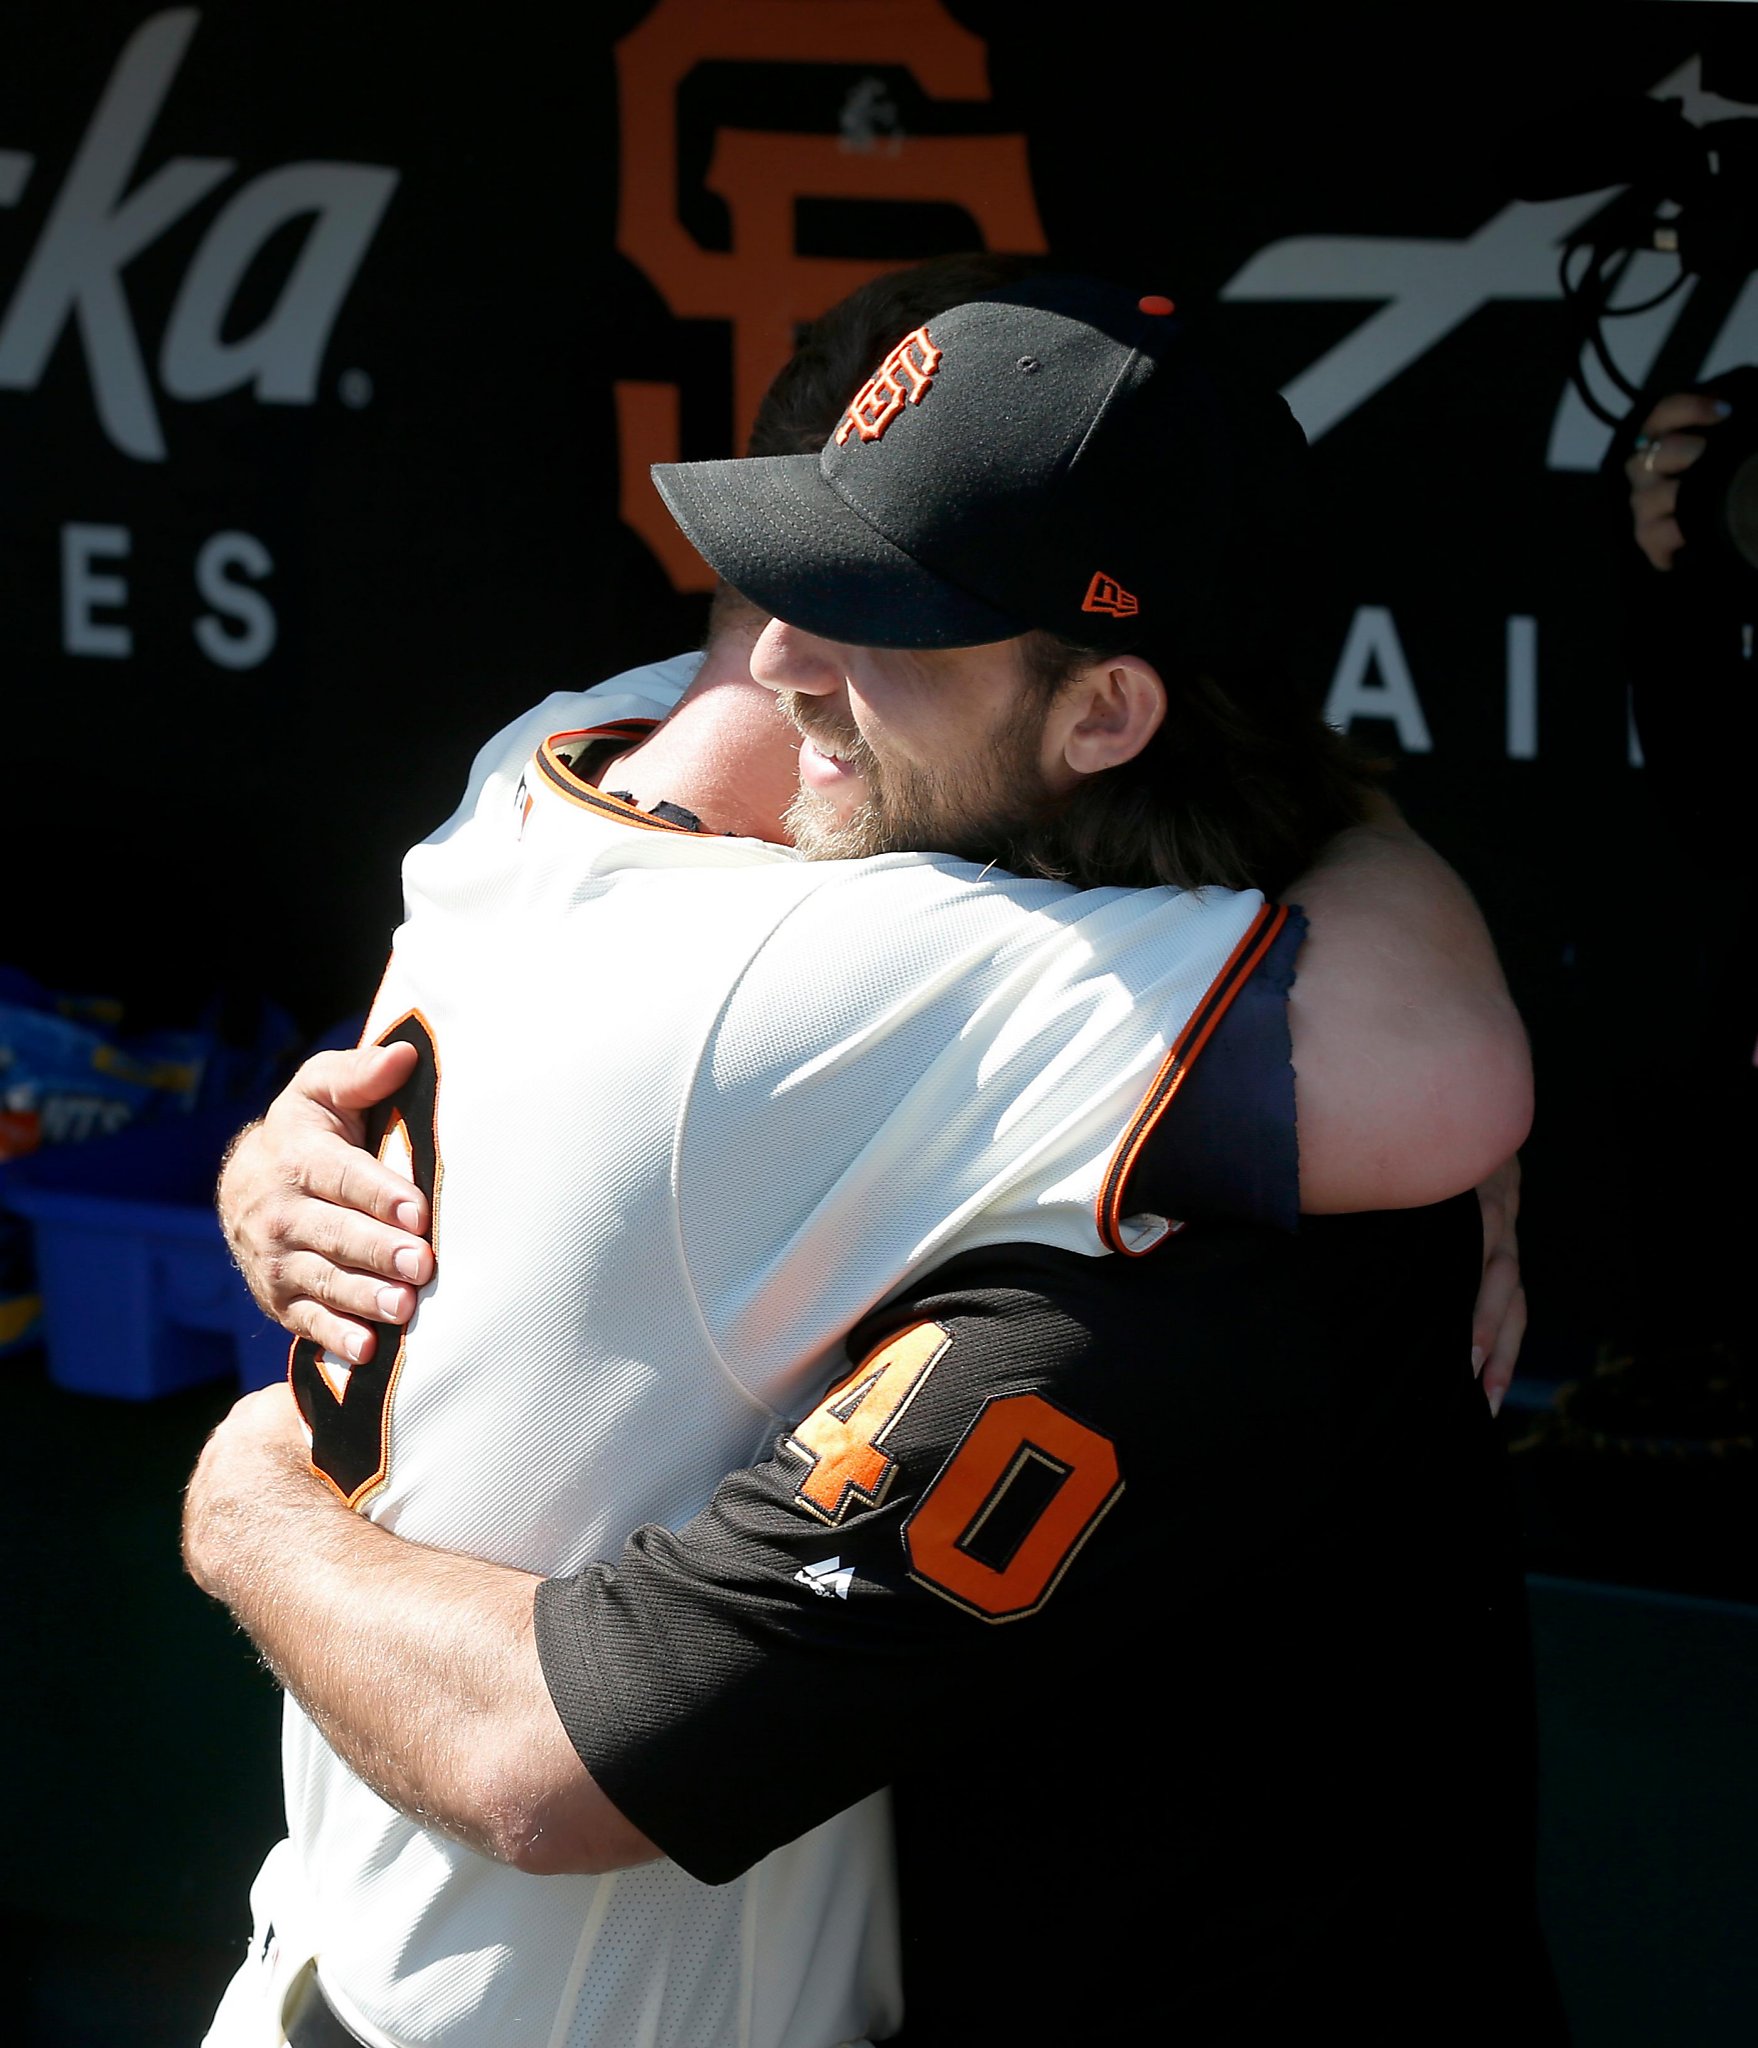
[1684,409]
[326,1100]
[328,1238]
[309,1146]
[1498,1367]
[308,1142]
[1498,1320]
[1658,533]
[357,1181]
[1495,1295]
[376,1266]
[1664,449]
[1660,460]
[332,1304]
[307,1260]
[338,1335]
[357,1078]
[1498,1202]
[286,1187]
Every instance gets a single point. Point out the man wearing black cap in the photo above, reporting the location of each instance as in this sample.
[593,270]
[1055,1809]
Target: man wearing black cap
[1054,466]
[1051,456]
[1044,519]
[975,1459]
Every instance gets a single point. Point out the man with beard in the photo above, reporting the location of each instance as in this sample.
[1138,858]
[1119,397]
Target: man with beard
[971,1461]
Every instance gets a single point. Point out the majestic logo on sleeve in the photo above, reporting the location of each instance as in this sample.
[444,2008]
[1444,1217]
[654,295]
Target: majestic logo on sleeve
[1105,594]
[902,379]
[830,1578]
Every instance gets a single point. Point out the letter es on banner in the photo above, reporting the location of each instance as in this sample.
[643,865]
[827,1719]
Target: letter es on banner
[762,285]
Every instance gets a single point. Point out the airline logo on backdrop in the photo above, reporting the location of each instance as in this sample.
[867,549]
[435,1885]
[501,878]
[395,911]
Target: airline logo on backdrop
[105,215]
[1426,288]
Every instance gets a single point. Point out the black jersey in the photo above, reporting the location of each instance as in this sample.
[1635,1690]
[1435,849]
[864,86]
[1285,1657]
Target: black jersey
[1180,1602]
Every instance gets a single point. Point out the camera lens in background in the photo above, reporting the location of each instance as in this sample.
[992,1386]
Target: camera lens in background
[1740,509]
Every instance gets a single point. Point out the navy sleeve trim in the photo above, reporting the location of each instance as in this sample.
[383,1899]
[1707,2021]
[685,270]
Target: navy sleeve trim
[1225,1149]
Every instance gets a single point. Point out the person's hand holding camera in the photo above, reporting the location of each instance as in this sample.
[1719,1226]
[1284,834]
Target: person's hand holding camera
[1665,448]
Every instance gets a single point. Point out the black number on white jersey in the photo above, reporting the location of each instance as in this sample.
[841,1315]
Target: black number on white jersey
[350,1436]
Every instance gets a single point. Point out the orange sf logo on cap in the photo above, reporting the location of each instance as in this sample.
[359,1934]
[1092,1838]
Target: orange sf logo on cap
[1105,594]
[902,378]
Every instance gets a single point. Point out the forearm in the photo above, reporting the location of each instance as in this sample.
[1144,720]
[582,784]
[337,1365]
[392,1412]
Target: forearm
[419,1667]
[1413,1075]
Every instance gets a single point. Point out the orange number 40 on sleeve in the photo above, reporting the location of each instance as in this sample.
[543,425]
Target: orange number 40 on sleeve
[1024,1487]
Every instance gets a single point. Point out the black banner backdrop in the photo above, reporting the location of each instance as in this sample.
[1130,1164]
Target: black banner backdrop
[334,343]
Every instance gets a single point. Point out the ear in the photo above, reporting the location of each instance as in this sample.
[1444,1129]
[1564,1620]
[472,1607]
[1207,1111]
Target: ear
[1103,717]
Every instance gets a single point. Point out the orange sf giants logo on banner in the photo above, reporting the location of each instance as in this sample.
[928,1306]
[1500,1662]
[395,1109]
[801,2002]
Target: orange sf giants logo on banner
[762,285]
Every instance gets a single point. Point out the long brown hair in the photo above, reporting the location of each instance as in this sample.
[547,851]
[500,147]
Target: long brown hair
[1240,787]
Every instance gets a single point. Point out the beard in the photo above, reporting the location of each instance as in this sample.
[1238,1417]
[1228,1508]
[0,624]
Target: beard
[986,810]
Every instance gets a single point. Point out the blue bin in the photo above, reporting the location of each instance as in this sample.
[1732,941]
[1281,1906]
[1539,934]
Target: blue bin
[139,1294]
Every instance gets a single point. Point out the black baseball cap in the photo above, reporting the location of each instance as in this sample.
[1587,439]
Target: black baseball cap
[1055,454]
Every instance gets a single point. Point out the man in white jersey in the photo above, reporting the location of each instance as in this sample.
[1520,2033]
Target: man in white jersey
[1005,1100]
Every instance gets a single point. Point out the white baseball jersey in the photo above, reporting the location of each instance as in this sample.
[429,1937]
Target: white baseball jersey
[689,1107]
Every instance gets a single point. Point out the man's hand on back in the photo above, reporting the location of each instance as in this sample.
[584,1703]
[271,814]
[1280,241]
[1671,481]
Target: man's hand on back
[329,1240]
[1498,1323]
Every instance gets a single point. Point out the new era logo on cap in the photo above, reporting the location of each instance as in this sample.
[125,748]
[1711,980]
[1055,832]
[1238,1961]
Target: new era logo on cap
[1105,595]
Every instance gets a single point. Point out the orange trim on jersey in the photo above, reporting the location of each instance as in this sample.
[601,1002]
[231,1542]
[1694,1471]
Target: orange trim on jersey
[567,784]
[1241,964]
